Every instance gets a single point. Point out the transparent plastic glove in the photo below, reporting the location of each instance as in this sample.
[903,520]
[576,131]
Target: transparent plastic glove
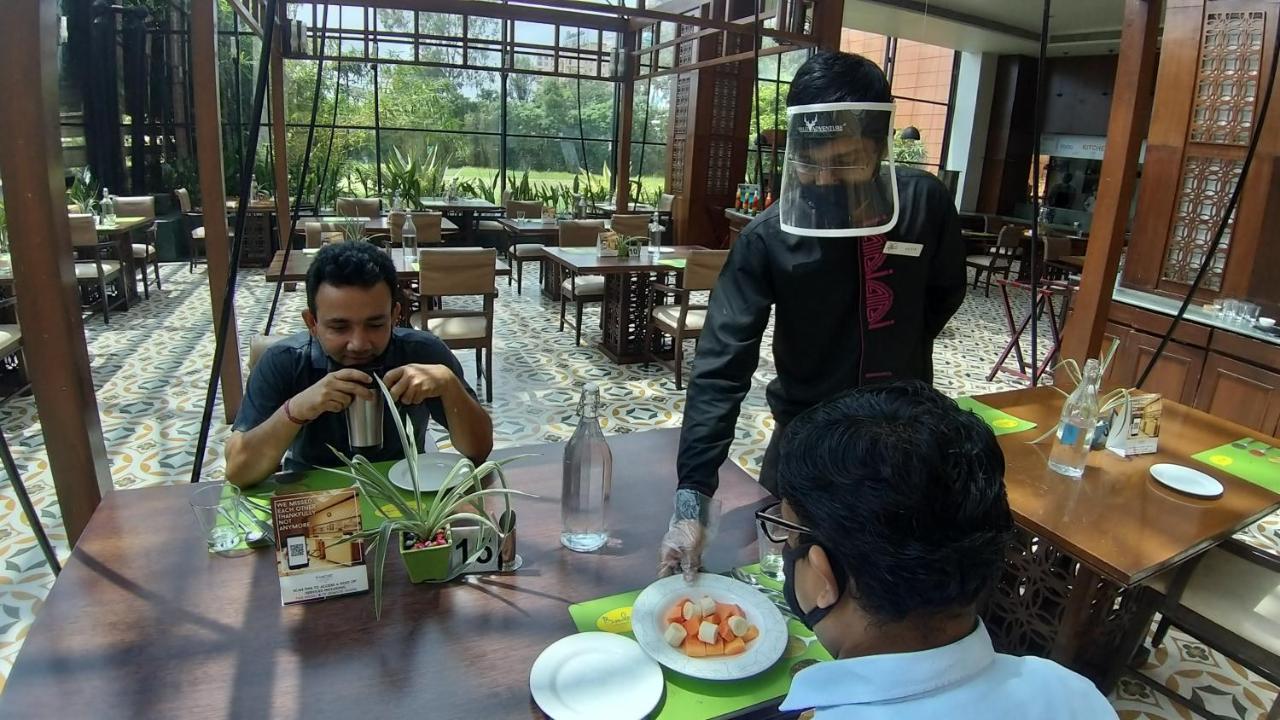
[692,526]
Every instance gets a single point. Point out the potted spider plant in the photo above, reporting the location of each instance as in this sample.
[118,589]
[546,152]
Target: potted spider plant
[423,527]
[1117,400]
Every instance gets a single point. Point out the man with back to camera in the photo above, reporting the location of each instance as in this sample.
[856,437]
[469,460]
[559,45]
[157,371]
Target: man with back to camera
[302,385]
[895,522]
[862,263]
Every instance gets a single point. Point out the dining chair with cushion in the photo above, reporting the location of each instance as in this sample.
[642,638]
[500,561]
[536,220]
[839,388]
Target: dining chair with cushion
[631,225]
[192,224]
[682,321]
[95,270]
[426,227]
[457,272]
[145,252]
[258,346]
[519,253]
[320,234]
[581,289]
[359,207]
[998,258]
[11,344]
[1229,599]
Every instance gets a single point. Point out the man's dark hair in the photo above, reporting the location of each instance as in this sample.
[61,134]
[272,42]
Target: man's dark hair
[351,263]
[905,491]
[829,77]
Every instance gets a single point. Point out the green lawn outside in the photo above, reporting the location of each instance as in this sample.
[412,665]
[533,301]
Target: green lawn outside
[650,183]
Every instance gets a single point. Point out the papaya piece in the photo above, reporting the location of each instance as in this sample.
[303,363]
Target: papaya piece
[724,611]
[752,633]
[676,613]
[715,648]
[735,646]
[713,619]
[725,633]
[691,626]
[693,647]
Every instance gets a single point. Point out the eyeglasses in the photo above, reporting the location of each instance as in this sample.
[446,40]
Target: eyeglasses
[776,528]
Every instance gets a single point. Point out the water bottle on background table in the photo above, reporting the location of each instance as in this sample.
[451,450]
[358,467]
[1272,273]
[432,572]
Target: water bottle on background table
[1077,425]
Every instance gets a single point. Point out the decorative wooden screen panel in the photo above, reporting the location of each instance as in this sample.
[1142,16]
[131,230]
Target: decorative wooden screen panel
[1206,187]
[679,134]
[1227,81]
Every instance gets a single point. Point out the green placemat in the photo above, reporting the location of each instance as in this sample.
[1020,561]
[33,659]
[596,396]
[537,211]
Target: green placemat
[688,697]
[674,262]
[1238,458]
[1000,421]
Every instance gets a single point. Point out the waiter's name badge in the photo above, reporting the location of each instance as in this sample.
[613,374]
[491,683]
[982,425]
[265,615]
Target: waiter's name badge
[895,247]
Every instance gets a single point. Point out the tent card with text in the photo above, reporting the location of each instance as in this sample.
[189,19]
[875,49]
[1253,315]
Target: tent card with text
[312,558]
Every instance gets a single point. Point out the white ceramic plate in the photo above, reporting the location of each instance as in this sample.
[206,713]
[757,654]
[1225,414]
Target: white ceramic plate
[1186,480]
[653,603]
[433,468]
[595,675]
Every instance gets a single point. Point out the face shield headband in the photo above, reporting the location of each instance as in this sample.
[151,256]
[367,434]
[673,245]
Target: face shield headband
[838,177]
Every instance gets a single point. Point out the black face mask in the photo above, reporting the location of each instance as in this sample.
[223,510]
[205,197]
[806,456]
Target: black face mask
[828,205]
[813,617]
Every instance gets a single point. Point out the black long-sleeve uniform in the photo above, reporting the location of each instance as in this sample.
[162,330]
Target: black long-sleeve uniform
[848,314]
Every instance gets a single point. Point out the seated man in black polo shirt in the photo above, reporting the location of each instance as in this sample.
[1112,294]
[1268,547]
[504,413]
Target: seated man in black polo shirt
[301,386]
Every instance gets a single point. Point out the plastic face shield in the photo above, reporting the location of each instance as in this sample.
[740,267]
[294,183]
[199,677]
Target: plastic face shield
[838,177]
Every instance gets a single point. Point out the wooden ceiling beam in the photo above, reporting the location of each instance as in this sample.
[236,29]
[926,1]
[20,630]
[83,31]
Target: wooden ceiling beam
[246,16]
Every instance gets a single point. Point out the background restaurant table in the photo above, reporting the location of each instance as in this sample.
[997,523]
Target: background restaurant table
[300,262]
[464,208]
[144,623]
[372,226]
[1085,545]
[626,293]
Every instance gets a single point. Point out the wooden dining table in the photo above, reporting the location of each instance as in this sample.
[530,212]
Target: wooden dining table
[300,262]
[121,232]
[627,283]
[1070,589]
[464,208]
[372,226]
[144,622]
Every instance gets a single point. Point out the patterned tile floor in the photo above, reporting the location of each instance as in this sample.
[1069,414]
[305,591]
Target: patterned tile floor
[150,367]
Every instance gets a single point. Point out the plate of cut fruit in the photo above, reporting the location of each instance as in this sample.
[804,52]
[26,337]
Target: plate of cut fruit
[715,628]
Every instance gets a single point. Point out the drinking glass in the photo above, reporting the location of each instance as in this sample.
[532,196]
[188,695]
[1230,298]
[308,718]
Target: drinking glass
[519,216]
[770,551]
[1249,313]
[217,508]
[1229,310]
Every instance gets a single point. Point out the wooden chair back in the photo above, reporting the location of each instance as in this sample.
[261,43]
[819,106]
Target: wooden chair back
[703,269]
[427,227]
[631,225]
[1010,237]
[316,231]
[1056,246]
[456,271]
[580,233]
[135,206]
[184,200]
[531,210]
[359,207]
[665,201]
[84,230]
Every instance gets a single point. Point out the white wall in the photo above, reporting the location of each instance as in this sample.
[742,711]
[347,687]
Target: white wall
[975,84]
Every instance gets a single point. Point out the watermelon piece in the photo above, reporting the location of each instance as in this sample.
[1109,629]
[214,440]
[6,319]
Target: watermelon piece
[676,613]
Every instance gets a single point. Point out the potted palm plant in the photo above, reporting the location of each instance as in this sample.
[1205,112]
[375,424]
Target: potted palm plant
[424,526]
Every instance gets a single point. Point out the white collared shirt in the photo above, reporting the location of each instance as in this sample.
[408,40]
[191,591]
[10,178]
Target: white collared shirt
[964,680]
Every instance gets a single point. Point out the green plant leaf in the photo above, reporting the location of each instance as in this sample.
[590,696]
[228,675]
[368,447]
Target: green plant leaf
[380,561]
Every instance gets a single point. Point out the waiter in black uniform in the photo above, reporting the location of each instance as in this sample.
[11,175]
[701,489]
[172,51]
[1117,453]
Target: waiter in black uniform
[861,261]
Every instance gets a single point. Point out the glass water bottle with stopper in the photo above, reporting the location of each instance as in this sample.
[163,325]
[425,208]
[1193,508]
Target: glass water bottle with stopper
[1078,423]
[588,474]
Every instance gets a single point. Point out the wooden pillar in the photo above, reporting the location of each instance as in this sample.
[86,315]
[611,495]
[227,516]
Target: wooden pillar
[1130,108]
[626,112]
[828,23]
[1010,137]
[204,77]
[709,130]
[43,269]
[279,136]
